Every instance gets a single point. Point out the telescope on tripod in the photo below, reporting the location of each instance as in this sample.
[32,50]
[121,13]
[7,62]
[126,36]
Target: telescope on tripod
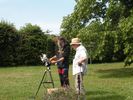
[47,72]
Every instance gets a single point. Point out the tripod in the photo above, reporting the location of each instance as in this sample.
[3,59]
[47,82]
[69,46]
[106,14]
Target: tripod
[43,80]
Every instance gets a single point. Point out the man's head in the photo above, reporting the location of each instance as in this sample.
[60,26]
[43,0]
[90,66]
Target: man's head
[75,42]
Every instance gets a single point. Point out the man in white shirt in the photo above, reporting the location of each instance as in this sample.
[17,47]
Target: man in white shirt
[80,62]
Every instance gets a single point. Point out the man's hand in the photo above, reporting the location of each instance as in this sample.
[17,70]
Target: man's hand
[79,63]
[82,60]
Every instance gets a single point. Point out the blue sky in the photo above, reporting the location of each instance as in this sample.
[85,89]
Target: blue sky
[47,14]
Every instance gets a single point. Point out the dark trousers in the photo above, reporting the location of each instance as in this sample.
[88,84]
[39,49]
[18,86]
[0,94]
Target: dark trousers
[63,75]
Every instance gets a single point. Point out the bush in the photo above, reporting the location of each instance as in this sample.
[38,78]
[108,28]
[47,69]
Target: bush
[62,94]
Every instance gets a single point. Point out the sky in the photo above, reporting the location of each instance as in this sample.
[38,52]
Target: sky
[48,14]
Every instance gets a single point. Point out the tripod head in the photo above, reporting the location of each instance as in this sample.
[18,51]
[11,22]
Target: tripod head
[45,60]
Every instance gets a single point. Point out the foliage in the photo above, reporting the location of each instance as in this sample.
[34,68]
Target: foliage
[90,38]
[84,12]
[32,44]
[126,26]
[24,46]
[105,23]
[50,46]
[8,43]
[122,25]
[104,26]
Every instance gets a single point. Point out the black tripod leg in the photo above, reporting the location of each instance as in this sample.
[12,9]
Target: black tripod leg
[40,84]
[51,79]
[79,84]
[78,96]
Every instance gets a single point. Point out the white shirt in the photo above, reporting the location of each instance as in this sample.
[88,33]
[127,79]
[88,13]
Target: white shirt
[81,53]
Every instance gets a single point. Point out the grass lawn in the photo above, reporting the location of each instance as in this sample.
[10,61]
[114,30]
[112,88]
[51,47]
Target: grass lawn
[103,82]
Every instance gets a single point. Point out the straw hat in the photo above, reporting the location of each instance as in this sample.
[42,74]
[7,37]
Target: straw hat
[75,41]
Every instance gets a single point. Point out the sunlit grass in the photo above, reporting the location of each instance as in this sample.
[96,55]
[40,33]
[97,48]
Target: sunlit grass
[102,82]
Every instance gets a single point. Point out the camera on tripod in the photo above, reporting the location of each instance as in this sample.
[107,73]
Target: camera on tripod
[45,60]
[47,63]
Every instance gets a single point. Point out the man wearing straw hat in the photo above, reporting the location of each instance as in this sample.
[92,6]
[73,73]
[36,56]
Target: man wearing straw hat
[80,62]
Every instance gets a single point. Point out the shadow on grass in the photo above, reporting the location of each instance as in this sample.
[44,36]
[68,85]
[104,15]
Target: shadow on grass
[116,73]
[103,95]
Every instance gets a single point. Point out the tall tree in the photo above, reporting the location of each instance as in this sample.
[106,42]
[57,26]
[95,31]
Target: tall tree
[33,43]
[119,19]
[114,17]
[8,43]
[84,12]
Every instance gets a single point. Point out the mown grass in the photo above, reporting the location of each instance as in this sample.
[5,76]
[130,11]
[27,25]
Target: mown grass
[102,82]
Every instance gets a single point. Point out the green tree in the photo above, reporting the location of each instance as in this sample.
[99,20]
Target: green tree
[84,12]
[8,43]
[119,18]
[51,46]
[112,37]
[33,43]
[85,22]
[126,26]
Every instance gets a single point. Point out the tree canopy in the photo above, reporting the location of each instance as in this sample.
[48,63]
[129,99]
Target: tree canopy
[24,46]
[104,26]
